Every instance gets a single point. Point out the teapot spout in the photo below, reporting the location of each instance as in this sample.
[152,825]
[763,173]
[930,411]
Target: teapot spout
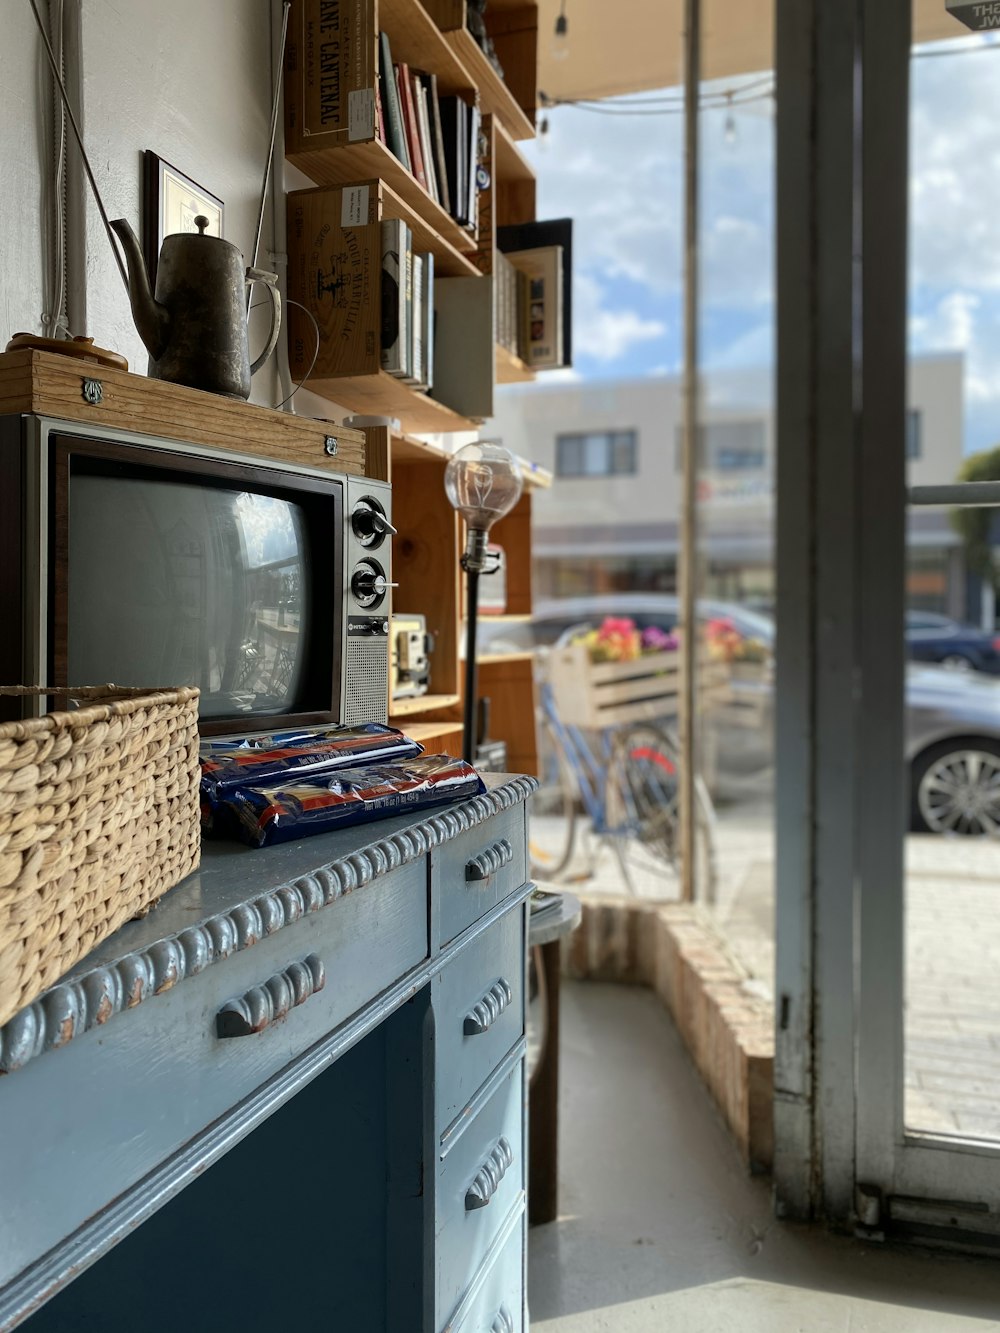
[152,320]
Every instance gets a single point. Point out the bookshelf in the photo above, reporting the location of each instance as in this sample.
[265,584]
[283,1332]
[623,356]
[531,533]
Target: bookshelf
[513,28]
[333,136]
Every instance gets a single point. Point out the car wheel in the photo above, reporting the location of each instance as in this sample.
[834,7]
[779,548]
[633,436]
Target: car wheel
[956,788]
[956,662]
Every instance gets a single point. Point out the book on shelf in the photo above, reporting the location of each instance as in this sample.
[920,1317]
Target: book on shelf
[379,114]
[410,123]
[396,140]
[521,240]
[472,184]
[427,138]
[437,139]
[454,125]
[427,312]
[541,305]
[395,332]
[415,377]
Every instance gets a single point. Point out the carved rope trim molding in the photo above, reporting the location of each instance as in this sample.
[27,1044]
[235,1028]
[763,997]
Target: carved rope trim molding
[485,1013]
[489,1176]
[272,1000]
[491,859]
[70,1008]
[504,1322]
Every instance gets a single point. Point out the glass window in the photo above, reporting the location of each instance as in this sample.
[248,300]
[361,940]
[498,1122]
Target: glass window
[596,454]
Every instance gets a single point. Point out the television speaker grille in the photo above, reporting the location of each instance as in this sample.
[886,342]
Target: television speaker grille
[367,680]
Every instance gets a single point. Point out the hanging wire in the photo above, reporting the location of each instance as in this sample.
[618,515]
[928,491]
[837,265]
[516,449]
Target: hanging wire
[315,358]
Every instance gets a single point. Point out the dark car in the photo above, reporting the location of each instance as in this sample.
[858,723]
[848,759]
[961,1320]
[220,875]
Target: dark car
[933,638]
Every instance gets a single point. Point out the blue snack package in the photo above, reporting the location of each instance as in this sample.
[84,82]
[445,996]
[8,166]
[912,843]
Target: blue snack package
[214,747]
[265,815]
[225,770]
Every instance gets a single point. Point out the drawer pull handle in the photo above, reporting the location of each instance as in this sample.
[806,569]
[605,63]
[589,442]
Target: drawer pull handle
[489,1176]
[483,1015]
[263,1005]
[489,861]
[504,1322]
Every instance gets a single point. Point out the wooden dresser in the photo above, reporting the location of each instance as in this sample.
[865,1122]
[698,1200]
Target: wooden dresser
[293,1096]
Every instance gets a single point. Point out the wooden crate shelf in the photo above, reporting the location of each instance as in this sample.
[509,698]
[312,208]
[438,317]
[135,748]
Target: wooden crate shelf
[381,394]
[510,369]
[514,29]
[352,162]
[423,703]
[516,190]
[437,737]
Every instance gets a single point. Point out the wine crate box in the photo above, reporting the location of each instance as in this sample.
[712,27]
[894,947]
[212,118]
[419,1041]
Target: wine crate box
[334,270]
[331,70]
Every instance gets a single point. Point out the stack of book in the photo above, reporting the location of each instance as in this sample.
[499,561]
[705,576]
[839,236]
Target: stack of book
[530,306]
[435,138]
[540,312]
[407,307]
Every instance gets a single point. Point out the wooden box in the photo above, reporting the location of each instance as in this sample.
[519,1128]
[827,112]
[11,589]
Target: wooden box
[595,695]
[335,271]
[513,29]
[50,385]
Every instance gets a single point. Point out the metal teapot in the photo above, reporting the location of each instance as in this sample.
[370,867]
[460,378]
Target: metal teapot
[195,329]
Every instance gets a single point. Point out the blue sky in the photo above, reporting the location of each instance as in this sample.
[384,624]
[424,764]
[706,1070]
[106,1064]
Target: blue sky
[620,178]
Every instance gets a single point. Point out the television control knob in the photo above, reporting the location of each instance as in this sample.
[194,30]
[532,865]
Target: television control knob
[385,627]
[369,523]
[369,584]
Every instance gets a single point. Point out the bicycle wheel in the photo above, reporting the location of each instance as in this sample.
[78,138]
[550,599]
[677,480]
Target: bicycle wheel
[552,824]
[643,809]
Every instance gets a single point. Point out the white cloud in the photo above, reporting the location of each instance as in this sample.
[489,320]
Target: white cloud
[602,333]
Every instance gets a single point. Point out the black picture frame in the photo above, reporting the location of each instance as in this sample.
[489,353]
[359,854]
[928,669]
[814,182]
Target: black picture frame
[171,199]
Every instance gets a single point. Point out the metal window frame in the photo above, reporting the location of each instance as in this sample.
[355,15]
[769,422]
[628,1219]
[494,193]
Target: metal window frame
[842,77]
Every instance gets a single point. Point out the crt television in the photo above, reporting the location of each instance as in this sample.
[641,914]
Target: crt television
[140,561]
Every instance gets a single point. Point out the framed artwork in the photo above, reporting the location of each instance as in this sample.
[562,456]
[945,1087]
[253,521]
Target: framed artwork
[170,203]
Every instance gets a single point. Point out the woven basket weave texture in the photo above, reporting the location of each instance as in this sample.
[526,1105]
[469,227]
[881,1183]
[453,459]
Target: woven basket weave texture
[98,819]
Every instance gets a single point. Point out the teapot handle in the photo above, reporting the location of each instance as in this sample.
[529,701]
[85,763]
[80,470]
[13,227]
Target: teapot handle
[270,281]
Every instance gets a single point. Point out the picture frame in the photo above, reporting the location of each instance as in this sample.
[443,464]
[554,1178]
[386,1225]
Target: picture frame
[171,201]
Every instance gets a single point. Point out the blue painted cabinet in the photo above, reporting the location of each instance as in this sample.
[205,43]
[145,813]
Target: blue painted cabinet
[294,1092]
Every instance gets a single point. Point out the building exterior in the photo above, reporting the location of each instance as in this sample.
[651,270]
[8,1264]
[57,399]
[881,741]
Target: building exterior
[610,521]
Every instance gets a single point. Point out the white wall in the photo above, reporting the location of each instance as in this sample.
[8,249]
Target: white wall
[189,79]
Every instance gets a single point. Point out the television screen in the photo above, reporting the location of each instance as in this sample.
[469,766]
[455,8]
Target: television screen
[178,584]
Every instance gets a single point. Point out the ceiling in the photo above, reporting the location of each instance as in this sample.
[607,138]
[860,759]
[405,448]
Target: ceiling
[633,45]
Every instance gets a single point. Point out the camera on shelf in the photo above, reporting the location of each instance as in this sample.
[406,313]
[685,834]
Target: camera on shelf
[411,650]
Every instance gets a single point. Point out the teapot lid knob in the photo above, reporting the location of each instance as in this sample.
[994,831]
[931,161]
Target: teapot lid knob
[201,222]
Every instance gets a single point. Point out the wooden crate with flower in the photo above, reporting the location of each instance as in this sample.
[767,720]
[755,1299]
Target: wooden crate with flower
[617,674]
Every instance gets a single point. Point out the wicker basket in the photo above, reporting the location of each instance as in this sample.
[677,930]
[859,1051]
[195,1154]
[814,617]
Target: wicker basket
[98,819]
[611,694]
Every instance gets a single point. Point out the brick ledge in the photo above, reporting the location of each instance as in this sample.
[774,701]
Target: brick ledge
[727,1029]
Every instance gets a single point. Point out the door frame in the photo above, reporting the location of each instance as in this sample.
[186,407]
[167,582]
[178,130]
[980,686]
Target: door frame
[841,1151]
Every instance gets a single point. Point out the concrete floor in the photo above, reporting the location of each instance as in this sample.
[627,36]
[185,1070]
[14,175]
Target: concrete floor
[661,1230]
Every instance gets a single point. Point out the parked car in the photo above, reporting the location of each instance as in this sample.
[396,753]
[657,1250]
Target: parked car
[952,723]
[933,638]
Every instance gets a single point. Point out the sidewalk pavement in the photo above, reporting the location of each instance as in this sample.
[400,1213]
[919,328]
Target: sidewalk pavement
[952,1021]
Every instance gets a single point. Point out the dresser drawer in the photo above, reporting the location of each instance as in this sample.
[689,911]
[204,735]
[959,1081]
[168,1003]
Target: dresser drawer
[497,1305]
[480,1184]
[477,870]
[84,1123]
[479,1013]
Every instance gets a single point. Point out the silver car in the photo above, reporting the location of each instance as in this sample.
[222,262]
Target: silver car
[952,737]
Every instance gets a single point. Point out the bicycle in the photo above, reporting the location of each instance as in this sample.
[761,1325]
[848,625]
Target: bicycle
[625,779]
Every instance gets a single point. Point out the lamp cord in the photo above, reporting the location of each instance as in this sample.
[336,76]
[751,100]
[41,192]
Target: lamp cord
[471,687]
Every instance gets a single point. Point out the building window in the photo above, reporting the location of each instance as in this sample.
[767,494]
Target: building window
[914,432]
[729,446]
[596,454]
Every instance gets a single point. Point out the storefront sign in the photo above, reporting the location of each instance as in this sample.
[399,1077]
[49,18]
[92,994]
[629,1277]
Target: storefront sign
[978,15]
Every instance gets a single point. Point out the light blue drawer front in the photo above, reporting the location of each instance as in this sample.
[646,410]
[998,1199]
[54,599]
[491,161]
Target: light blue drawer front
[117,1101]
[480,1184]
[477,870]
[479,1013]
[497,1306]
